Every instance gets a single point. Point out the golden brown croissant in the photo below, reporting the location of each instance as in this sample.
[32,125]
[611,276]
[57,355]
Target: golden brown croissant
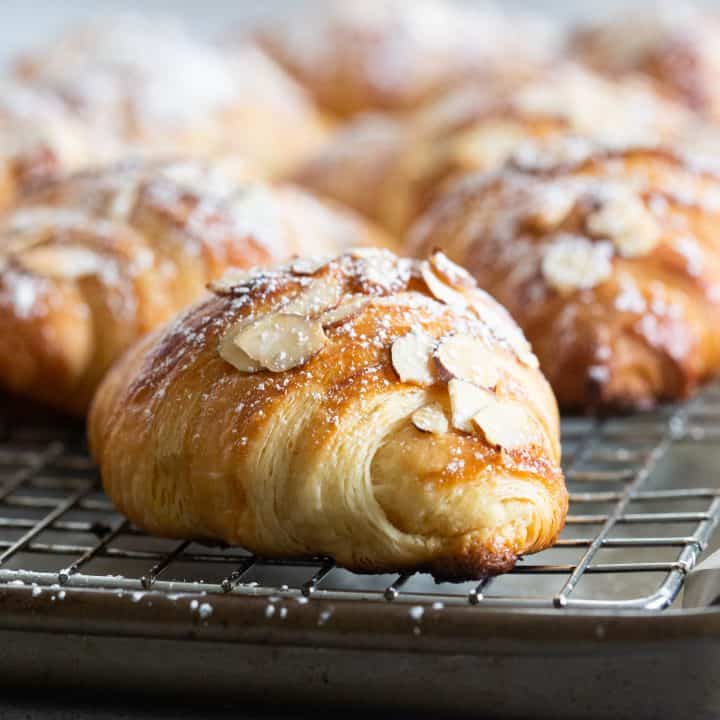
[158,90]
[609,261]
[676,44]
[394,55]
[40,139]
[390,169]
[93,262]
[380,411]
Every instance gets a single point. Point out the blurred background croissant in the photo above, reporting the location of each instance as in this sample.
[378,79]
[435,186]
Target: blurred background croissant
[366,114]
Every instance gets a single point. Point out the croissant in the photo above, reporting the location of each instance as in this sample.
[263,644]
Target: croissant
[609,260]
[91,263]
[380,411]
[390,169]
[675,44]
[150,85]
[393,55]
[40,139]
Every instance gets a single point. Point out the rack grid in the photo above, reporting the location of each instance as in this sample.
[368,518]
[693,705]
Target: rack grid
[645,499]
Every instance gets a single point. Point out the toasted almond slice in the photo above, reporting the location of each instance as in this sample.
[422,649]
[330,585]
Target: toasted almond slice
[281,341]
[125,199]
[550,207]
[466,401]
[308,265]
[235,280]
[16,244]
[366,252]
[575,263]
[488,144]
[412,358]
[347,309]
[624,219]
[456,276]
[231,353]
[521,347]
[320,295]
[440,290]
[40,219]
[507,424]
[468,358]
[61,261]
[504,329]
[548,153]
[431,419]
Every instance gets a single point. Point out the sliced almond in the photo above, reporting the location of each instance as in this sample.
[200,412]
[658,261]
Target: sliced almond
[521,347]
[235,280]
[431,419]
[216,180]
[627,223]
[125,199]
[366,252]
[488,144]
[320,295]
[440,290]
[412,358]
[41,219]
[451,272]
[348,309]
[573,263]
[507,424]
[230,352]
[466,401]
[549,153]
[15,244]
[62,261]
[504,328]
[308,265]
[549,206]
[281,341]
[468,358]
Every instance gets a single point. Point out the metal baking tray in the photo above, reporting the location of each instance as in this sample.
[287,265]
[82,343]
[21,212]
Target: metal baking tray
[616,621]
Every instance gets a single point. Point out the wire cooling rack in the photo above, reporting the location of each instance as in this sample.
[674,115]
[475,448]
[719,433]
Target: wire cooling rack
[645,499]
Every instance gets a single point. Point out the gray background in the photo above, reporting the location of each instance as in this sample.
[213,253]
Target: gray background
[23,23]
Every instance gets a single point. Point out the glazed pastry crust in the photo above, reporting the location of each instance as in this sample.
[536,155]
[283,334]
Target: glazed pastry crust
[324,458]
[609,261]
[93,262]
[391,169]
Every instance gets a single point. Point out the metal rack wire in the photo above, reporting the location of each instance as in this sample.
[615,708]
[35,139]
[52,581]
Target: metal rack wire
[644,503]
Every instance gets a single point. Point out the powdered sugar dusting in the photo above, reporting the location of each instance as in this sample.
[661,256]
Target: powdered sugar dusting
[92,65]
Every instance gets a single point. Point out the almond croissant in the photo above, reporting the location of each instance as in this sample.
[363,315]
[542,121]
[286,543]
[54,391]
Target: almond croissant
[394,55]
[93,262]
[390,169]
[40,139]
[608,259]
[380,411]
[156,90]
[675,44]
